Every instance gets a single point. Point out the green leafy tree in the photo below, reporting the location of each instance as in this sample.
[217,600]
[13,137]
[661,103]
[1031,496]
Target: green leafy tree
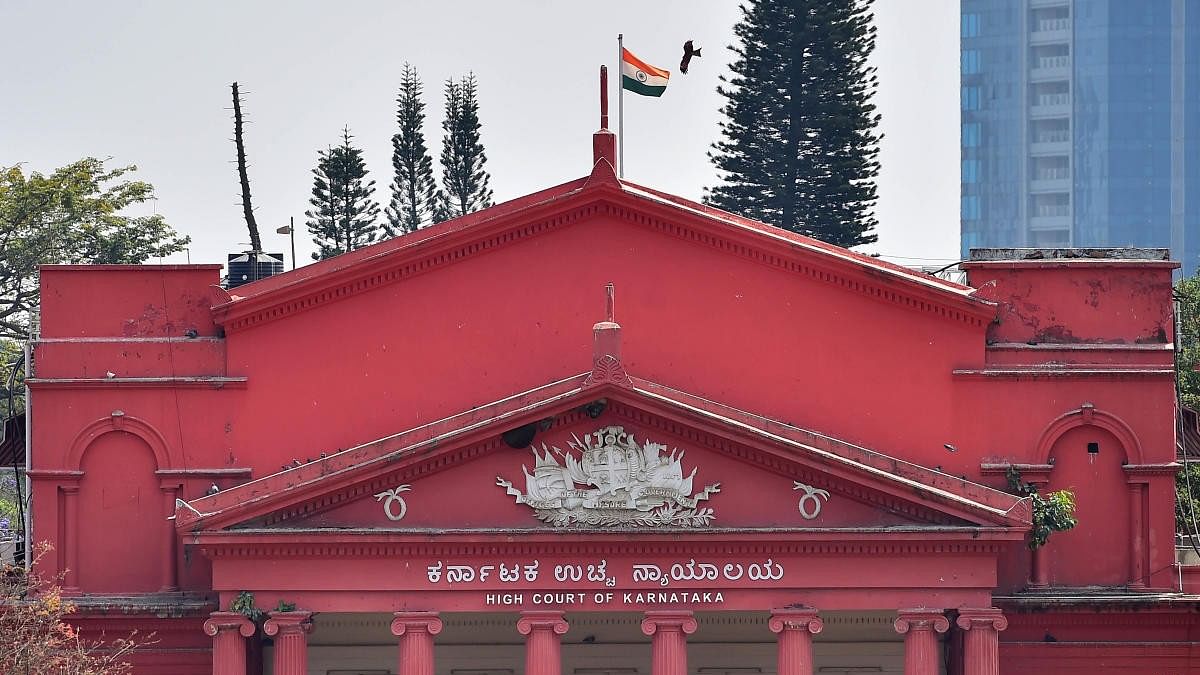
[1187,359]
[414,193]
[343,217]
[800,148]
[464,179]
[74,215]
[12,379]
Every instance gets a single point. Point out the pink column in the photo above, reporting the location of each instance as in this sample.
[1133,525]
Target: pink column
[1137,529]
[920,628]
[416,631]
[669,631]
[543,651]
[1039,558]
[70,494]
[228,631]
[795,628]
[290,630]
[981,643]
[170,574]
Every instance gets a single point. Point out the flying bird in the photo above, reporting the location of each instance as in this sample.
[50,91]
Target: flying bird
[688,53]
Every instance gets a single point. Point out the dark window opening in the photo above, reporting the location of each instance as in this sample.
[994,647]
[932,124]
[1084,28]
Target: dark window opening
[1093,448]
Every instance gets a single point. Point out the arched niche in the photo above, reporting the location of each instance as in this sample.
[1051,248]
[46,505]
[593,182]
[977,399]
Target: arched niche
[120,519]
[1088,415]
[113,517]
[1089,461]
[119,421]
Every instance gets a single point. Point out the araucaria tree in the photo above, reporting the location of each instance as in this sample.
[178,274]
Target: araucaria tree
[800,148]
[414,194]
[343,217]
[463,178]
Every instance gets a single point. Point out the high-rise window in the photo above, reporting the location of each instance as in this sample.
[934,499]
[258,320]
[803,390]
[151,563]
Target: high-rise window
[970,135]
[970,25]
[970,61]
[970,170]
[970,207]
[970,98]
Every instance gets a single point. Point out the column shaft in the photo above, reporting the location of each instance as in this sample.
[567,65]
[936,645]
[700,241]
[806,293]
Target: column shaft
[71,533]
[920,628]
[1039,558]
[416,631]
[1137,549]
[229,631]
[981,643]
[543,647]
[170,575]
[668,631]
[795,628]
[290,630]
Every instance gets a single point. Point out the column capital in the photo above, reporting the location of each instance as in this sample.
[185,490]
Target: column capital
[288,622]
[411,622]
[986,617]
[539,620]
[657,621]
[219,622]
[800,618]
[921,619]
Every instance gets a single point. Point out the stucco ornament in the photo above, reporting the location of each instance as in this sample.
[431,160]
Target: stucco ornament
[390,499]
[810,503]
[608,479]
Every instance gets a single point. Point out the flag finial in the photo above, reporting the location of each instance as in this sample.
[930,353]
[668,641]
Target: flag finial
[604,142]
[603,97]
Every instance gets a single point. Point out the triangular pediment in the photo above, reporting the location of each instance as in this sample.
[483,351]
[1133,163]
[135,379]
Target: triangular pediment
[605,456]
[586,200]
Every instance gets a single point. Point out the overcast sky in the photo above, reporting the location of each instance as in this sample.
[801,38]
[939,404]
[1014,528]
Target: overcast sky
[147,83]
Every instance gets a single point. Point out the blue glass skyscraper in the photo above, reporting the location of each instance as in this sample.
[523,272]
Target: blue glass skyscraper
[1081,124]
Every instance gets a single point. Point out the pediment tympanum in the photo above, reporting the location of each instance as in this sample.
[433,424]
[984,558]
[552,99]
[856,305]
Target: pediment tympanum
[635,466]
[612,475]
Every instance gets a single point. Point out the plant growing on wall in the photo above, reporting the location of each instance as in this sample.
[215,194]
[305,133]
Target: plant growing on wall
[244,604]
[1053,512]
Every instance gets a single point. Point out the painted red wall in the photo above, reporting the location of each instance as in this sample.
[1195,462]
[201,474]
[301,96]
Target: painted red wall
[804,349]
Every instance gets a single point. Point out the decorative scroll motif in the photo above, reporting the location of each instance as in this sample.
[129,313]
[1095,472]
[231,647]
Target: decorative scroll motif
[810,503]
[388,497]
[608,369]
[629,485]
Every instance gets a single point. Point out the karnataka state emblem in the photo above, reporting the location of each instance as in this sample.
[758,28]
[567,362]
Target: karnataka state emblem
[606,479]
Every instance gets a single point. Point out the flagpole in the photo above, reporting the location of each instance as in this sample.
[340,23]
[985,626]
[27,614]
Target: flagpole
[620,106]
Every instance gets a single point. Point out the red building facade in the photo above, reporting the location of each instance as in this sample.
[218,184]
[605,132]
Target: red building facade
[452,452]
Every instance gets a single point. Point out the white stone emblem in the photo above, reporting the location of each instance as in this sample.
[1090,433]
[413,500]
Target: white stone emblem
[627,485]
[810,503]
[392,496]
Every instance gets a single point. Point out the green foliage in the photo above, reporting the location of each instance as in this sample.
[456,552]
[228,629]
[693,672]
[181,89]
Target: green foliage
[414,193]
[244,604]
[1187,353]
[285,606]
[800,147]
[1054,512]
[73,215]
[343,217]
[1187,498]
[10,357]
[1187,359]
[463,177]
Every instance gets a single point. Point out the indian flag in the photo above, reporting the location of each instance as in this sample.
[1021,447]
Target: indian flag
[640,77]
